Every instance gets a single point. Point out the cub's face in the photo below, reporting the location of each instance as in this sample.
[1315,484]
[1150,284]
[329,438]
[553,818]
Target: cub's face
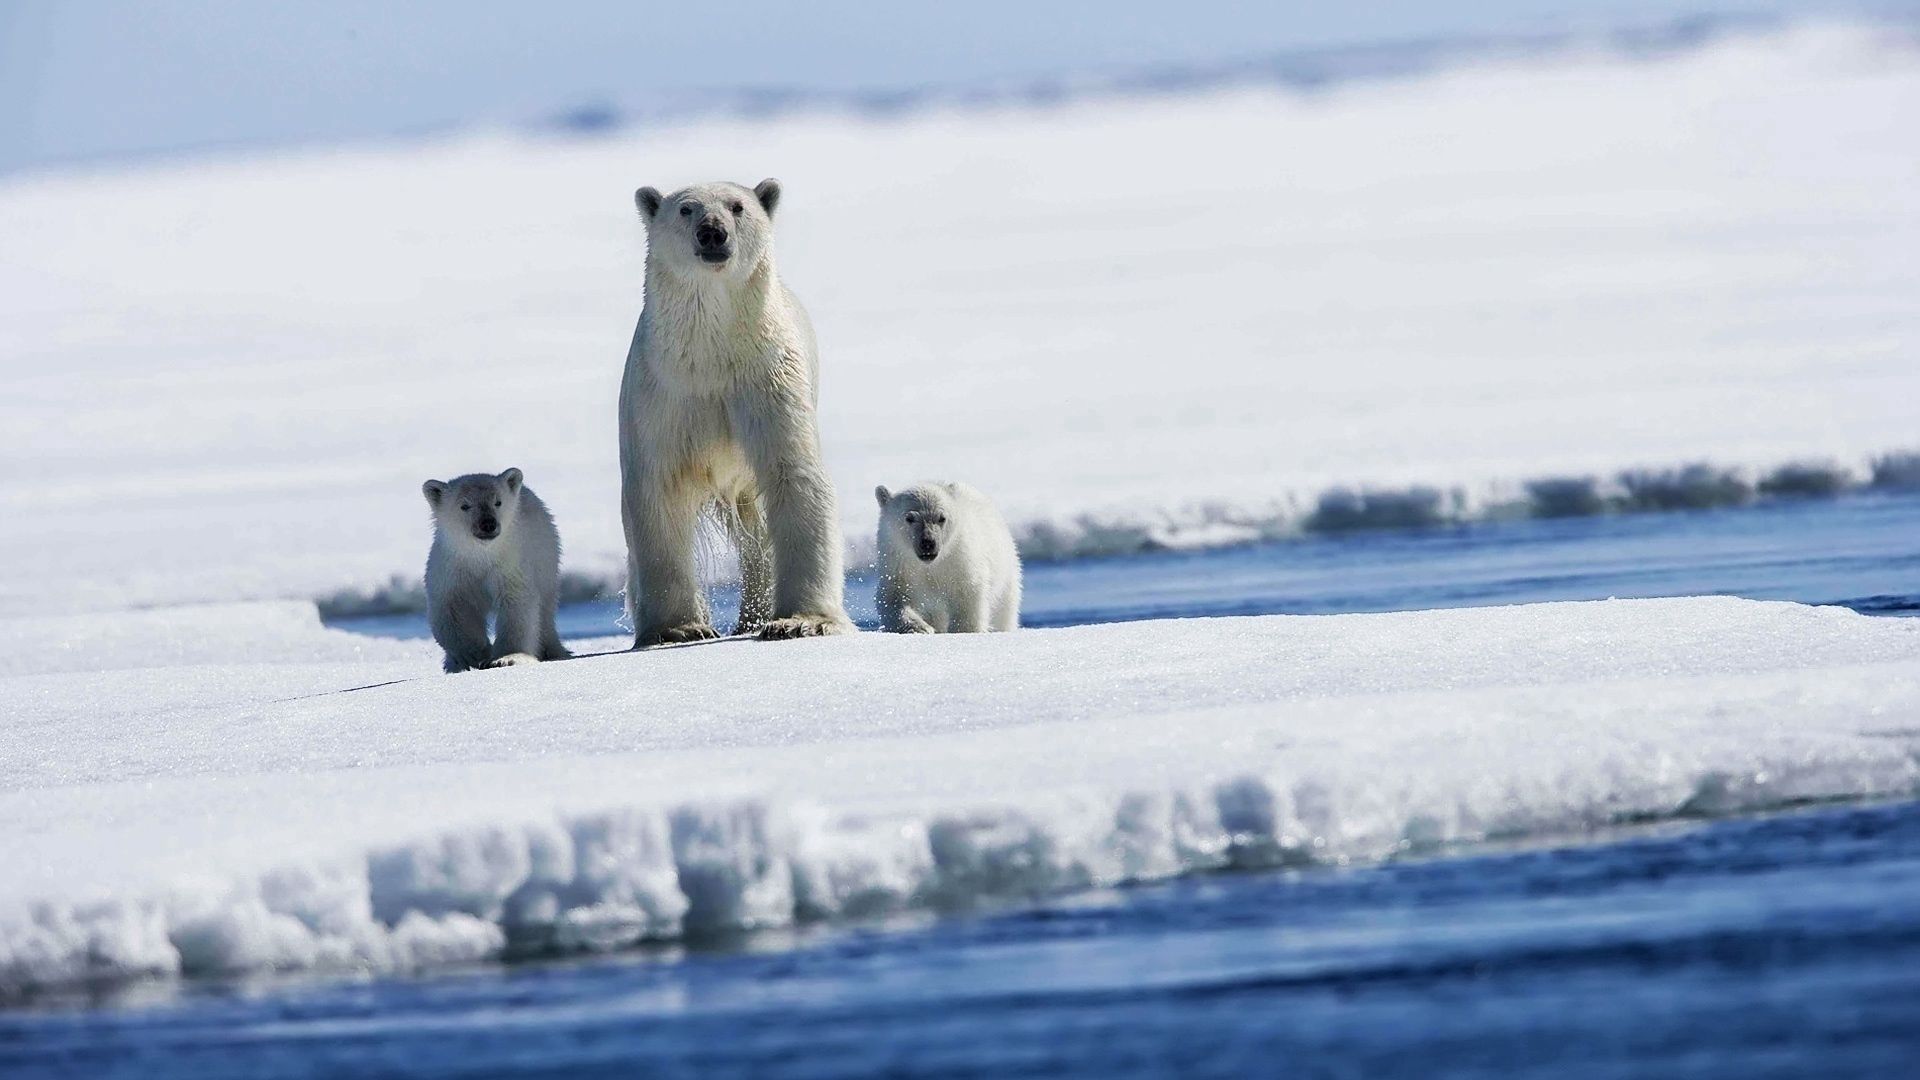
[915,520]
[479,505]
[710,230]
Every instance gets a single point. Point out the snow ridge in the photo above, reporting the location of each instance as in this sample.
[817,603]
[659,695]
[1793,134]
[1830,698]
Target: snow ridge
[1345,508]
[613,880]
[1339,509]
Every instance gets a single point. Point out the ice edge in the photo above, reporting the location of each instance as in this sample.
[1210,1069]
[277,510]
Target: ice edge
[1334,510]
[620,878]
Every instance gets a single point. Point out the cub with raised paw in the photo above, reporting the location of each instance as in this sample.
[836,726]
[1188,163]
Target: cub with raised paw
[947,562]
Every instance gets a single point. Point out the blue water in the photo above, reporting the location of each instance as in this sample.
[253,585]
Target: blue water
[1783,945]
[1861,551]
[1779,946]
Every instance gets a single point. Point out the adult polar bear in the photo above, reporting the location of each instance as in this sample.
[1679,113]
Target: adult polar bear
[718,409]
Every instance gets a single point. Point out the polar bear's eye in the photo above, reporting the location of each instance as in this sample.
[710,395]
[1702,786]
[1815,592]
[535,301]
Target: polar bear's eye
[737,208]
[912,518]
[686,211]
[464,506]
[496,504]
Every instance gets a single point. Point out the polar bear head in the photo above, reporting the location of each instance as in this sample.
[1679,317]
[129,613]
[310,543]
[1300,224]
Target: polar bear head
[480,506]
[709,231]
[914,520]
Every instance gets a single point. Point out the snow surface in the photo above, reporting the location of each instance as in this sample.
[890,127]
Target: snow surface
[1177,320]
[212,799]
[1154,319]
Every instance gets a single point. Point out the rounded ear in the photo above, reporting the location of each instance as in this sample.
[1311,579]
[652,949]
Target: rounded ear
[433,489]
[881,495]
[768,192]
[648,200]
[512,478]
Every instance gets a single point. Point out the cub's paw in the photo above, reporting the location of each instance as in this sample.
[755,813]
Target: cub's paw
[514,659]
[799,626]
[911,622]
[676,635]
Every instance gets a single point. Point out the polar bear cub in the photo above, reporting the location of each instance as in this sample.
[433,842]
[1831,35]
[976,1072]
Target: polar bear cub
[947,562]
[495,551]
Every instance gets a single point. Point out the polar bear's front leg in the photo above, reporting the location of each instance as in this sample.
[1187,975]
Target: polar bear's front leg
[908,621]
[458,617]
[516,634]
[777,428]
[974,616]
[1006,609]
[897,613]
[663,588]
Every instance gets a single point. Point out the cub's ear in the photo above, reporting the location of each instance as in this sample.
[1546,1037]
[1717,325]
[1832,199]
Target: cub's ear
[881,495]
[433,489]
[512,478]
[768,192]
[648,200]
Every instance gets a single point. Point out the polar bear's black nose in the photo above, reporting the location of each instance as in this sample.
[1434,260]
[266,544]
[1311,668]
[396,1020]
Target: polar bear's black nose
[487,528]
[711,234]
[927,550]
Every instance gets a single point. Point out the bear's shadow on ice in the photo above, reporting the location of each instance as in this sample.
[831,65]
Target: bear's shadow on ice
[728,640]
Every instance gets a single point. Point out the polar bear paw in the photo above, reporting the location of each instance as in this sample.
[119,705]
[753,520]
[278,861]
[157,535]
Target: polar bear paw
[677,635]
[514,659]
[799,626]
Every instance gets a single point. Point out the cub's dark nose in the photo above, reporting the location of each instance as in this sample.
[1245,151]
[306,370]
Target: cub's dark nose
[927,550]
[487,528]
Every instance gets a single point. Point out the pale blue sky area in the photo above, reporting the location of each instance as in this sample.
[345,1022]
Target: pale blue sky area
[84,79]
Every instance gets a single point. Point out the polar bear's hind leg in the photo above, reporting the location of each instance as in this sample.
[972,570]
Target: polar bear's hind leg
[748,529]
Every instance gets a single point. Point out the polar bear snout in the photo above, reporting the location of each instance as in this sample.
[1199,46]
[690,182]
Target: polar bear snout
[712,242]
[487,528]
[925,529]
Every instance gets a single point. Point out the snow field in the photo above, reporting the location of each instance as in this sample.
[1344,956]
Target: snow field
[1581,283]
[1134,320]
[256,824]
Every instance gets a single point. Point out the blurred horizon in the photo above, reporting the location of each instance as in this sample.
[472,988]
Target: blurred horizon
[117,79]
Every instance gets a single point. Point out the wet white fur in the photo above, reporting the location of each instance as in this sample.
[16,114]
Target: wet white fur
[972,586]
[717,407]
[515,577]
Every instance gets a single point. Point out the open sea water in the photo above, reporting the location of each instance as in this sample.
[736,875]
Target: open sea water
[1780,945]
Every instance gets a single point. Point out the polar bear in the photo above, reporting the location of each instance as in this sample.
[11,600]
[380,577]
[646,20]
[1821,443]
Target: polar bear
[947,562]
[495,550]
[717,411]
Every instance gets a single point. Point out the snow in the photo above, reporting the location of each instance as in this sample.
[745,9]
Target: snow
[1568,284]
[1135,320]
[242,810]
